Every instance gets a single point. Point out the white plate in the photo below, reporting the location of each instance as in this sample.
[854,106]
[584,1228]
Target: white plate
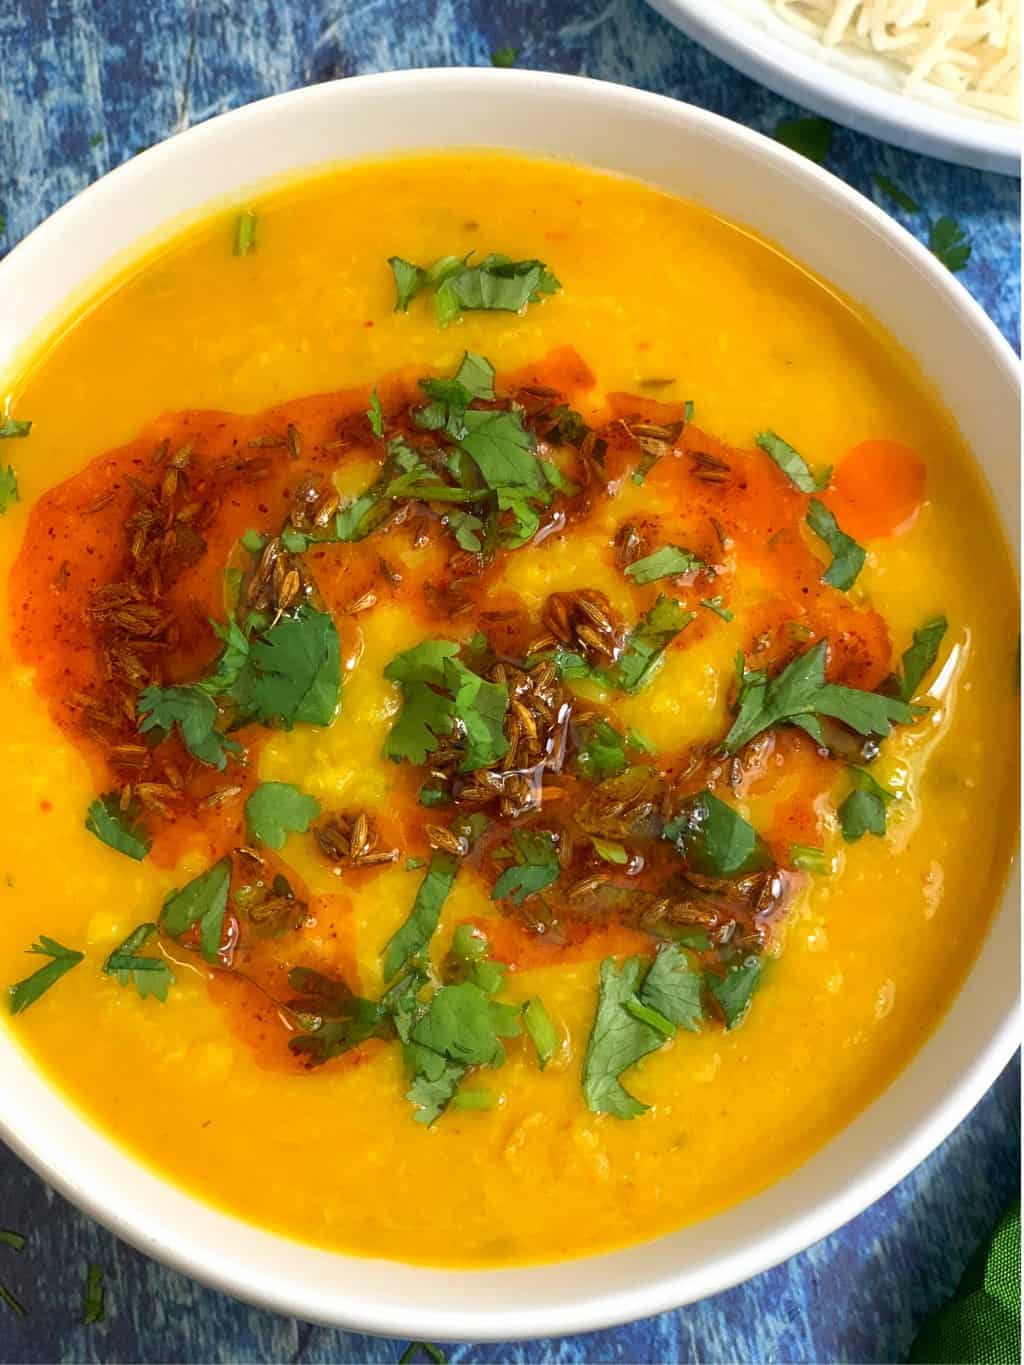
[838,233]
[860,90]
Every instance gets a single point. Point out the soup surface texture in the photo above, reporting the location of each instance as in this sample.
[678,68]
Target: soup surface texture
[590,771]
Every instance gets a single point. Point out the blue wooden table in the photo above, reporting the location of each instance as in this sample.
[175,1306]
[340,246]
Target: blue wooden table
[86,84]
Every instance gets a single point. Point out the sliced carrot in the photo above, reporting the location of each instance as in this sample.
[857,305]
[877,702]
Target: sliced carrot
[877,490]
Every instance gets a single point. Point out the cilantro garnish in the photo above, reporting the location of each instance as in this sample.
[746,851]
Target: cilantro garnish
[293,672]
[920,657]
[195,714]
[277,809]
[375,414]
[338,1019]
[667,562]
[800,694]
[504,56]
[94,1297]
[434,1353]
[811,137]
[542,1031]
[409,941]
[202,901]
[27,992]
[809,859]
[15,1240]
[459,1028]
[648,640]
[847,556]
[149,975]
[673,988]
[467,530]
[438,691]
[948,241]
[791,462]
[601,752]
[717,605]
[864,810]
[121,829]
[734,990]
[894,192]
[8,489]
[496,284]
[535,868]
[13,426]
[715,839]
[624,1028]
[474,1099]
[245,233]
[231,660]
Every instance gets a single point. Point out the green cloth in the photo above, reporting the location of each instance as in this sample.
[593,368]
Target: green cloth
[981,1323]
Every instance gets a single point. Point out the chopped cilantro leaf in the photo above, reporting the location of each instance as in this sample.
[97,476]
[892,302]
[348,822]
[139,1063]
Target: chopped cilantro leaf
[476,374]
[847,556]
[948,242]
[648,640]
[617,1040]
[27,992]
[245,232]
[474,1099]
[466,528]
[437,691]
[375,414]
[864,810]
[195,715]
[149,975]
[427,714]
[791,462]
[919,659]
[15,1305]
[410,940]
[293,672]
[495,284]
[894,192]
[542,1031]
[277,809]
[800,694]
[667,562]
[15,1240]
[734,990]
[8,488]
[480,708]
[811,137]
[673,988]
[118,828]
[601,752]
[94,1297]
[717,605]
[809,859]
[14,426]
[535,868]
[409,280]
[715,839]
[342,1020]
[231,660]
[201,901]
[504,56]
[434,1353]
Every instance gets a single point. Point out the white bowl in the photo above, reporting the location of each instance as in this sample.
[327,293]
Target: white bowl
[820,221]
[859,89]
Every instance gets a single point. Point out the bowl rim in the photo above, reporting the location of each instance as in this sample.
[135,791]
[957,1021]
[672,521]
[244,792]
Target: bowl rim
[917,124]
[205,1261]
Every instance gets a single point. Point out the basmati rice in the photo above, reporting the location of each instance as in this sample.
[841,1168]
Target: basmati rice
[970,49]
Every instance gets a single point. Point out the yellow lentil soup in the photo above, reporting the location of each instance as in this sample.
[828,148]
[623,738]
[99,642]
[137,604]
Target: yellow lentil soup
[496,697]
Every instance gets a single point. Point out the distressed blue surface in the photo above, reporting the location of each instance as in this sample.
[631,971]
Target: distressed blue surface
[85,85]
